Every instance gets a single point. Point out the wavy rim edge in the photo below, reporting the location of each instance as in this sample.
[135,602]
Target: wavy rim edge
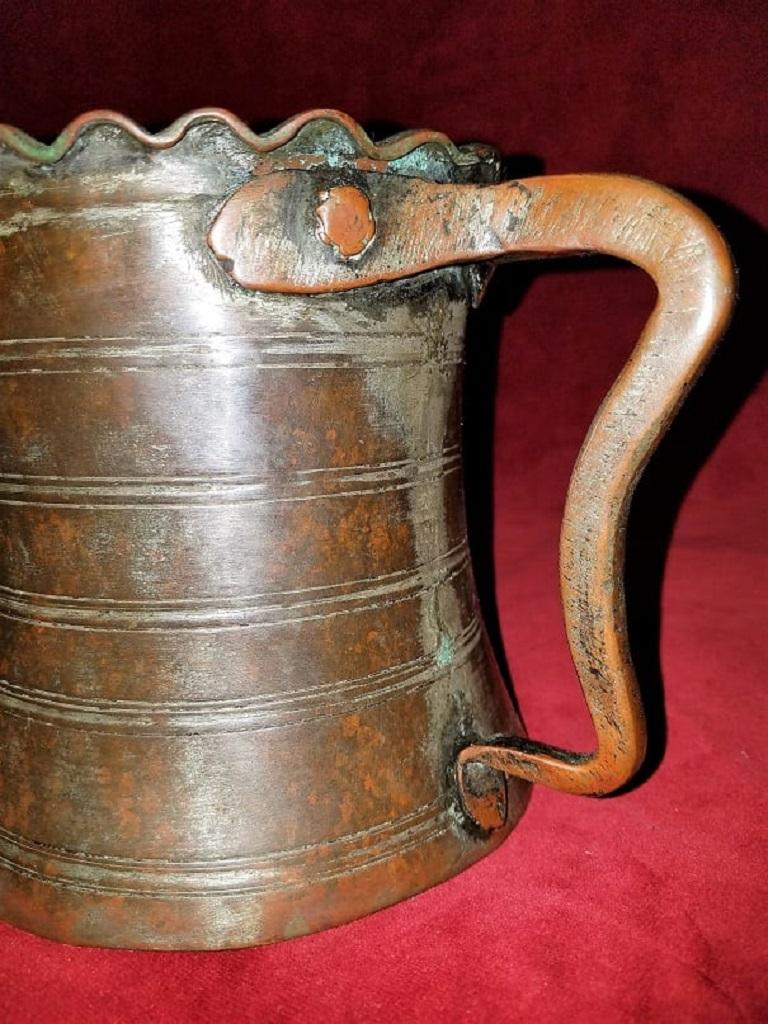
[393,148]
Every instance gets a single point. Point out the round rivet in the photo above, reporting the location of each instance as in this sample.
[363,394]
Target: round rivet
[483,792]
[345,221]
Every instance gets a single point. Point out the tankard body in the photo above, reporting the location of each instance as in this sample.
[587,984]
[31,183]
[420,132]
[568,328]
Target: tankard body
[245,690]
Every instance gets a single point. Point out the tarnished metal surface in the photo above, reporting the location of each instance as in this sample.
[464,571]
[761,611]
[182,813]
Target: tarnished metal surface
[239,642]
[240,651]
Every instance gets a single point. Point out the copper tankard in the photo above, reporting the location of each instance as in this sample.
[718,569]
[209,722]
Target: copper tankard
[245,691]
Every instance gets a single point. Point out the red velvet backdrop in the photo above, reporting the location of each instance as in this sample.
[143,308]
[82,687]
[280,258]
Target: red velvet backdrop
[650,906]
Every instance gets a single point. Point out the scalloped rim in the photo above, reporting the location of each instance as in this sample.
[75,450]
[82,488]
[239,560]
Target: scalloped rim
[393,148]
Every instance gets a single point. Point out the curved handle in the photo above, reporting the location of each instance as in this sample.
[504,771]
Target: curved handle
[386,227]
[683,252]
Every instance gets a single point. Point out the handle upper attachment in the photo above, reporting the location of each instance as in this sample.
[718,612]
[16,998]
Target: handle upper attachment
[289,231]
